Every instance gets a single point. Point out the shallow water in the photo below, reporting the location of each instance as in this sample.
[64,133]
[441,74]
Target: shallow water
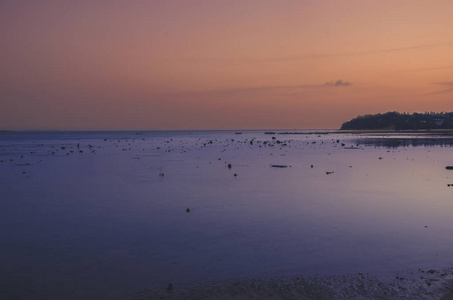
[103,222]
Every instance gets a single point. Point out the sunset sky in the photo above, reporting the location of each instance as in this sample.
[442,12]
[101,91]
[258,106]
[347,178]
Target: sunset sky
[218,64]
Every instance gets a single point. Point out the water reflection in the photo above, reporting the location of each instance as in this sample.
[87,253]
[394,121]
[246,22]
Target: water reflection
[82,222]
[392,142]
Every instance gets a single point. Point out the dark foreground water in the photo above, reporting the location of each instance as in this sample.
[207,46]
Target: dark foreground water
[103,215]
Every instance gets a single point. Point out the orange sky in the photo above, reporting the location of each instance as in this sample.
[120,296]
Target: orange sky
[218,64]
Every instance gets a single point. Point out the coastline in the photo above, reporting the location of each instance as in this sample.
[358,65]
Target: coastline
[421,284]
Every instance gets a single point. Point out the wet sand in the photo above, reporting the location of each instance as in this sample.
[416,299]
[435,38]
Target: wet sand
[448,296]
[425,285]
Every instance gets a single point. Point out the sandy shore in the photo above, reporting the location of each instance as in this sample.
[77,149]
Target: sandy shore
[448,296]
[423,284]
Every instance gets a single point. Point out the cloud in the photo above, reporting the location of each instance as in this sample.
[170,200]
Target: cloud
[450,83]
[428,69]
[276,90]
[446,83]
[377,51]
[338,83]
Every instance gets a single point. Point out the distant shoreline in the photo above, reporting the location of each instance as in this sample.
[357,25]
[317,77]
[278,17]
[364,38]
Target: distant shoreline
[265,131]
[394,120]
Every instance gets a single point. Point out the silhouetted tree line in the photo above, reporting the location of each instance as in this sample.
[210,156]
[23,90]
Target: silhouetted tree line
[401,121]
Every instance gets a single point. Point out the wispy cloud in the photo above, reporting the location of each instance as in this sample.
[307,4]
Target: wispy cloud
[450,83]
[428,69]
[281,89]
[377,51]
[338,83]
[446,83]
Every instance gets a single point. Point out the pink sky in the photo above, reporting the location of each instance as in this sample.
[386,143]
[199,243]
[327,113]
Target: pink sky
[220,64]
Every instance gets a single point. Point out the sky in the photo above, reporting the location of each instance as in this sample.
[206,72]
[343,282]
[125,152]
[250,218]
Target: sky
[220,64]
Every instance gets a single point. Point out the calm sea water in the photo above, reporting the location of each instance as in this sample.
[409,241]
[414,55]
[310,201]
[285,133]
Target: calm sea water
[103,214]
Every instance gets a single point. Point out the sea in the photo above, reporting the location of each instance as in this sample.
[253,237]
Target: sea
[194,214]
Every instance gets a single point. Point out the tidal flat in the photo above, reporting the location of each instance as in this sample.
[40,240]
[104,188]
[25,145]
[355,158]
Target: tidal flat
[226,215]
